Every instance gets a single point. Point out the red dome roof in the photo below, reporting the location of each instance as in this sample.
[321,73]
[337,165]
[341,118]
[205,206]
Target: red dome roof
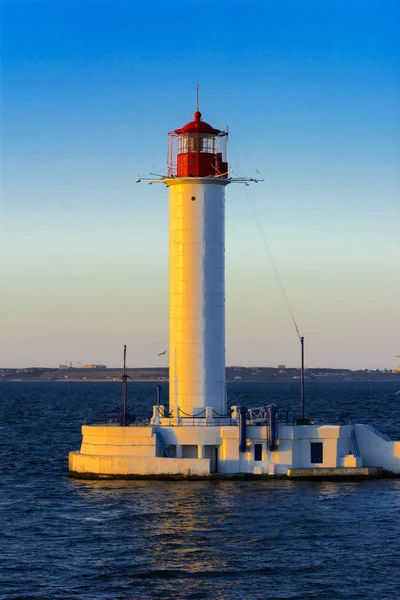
[197,126]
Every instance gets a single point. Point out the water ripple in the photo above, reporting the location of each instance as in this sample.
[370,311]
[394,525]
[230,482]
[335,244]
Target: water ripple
[95,540]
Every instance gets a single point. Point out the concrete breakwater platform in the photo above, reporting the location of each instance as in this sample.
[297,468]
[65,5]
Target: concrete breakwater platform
[325,474]
[170,448]
[330,473]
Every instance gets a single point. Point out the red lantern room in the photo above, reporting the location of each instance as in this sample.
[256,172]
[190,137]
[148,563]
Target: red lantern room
[197,150]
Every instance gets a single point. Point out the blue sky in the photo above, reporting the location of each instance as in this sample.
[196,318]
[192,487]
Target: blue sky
[310,92]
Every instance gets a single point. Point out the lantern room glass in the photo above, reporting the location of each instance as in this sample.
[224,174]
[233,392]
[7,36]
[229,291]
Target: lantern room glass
[195,142]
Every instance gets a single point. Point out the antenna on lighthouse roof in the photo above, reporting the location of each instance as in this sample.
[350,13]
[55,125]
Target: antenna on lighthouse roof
[197,97]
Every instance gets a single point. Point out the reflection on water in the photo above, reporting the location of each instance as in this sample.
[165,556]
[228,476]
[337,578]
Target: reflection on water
[336,489]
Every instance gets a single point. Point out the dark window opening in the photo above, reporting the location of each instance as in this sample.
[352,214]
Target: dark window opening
[317,455]
[215,469]
[257,451]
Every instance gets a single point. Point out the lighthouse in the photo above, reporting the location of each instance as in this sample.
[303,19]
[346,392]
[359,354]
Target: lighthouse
[197,436]
[197,177]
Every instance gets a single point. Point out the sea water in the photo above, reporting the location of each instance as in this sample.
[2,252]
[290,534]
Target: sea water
[65,538]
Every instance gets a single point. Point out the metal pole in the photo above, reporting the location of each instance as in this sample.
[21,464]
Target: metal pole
[302,378]
[158,395]
[124,391]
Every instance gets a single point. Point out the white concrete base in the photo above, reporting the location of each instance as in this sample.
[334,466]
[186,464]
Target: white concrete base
[122,466]
[202,450]
[376,449]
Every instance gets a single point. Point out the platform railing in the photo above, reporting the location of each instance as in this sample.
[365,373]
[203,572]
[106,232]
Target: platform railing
[356,450]
[196,421]
[169,453]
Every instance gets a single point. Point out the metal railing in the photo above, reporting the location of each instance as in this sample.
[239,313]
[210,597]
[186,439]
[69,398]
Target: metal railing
[356,450]
[197,421]
[115,421]
[257,416]
[166,448]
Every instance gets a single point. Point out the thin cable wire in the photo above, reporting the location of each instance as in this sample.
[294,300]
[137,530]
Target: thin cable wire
[274,267]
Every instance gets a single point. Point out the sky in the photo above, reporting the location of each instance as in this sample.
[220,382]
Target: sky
[310,91]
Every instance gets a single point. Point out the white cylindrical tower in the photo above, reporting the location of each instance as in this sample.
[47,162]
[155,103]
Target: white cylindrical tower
[197,180]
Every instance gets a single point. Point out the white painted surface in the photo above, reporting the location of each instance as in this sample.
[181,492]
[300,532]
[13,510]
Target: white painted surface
[197,295]
[134,450]
[116,441]
[376,450]
[130,465]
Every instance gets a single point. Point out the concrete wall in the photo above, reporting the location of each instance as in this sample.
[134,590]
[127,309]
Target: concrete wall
[142,466]
[116,440]
[345,446]
[376,450]
[293,448]
[190,451]
[334,439]
[184,436]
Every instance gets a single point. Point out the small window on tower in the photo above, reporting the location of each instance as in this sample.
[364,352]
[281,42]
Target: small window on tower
[257,452]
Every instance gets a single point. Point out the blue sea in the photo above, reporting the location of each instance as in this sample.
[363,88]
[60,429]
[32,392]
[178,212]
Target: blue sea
[63,538]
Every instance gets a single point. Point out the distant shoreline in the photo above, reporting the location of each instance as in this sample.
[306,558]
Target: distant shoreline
[161,374]
[161,381]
